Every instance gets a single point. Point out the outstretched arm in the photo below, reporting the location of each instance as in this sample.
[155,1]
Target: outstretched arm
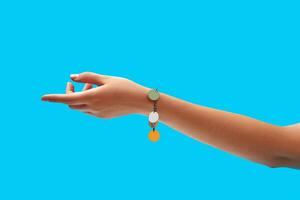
[268,144]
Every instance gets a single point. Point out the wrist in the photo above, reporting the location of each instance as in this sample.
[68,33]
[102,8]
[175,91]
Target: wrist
[143,104]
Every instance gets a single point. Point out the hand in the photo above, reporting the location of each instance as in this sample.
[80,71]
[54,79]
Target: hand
[113,96]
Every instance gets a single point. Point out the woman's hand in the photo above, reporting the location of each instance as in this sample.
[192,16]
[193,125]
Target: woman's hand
[113,96]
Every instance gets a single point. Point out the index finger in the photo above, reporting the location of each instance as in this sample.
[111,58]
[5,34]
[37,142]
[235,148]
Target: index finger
[71,98]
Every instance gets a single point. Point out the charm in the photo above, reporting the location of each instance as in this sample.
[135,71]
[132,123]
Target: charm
[154,136]
[153,95]
[153,117]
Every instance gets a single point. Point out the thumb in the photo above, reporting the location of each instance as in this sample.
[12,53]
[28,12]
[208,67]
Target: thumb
[89,77]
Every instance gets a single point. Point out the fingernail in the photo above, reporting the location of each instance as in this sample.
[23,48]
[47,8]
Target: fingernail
[73,76]
[43,99]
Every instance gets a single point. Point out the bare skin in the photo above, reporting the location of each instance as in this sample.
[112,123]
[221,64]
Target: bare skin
[271,145]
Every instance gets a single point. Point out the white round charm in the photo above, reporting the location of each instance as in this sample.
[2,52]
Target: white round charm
[153,117]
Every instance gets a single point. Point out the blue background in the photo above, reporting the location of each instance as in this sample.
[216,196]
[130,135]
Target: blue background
[240,56]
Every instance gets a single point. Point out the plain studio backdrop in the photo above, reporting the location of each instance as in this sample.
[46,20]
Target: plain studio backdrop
[239,56]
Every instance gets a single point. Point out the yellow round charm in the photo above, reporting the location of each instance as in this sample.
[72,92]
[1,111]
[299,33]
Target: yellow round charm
[154,136]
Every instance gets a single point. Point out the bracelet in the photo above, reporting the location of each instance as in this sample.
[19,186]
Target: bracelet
[153,118]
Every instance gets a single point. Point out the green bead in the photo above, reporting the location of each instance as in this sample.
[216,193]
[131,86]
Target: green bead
[153,95]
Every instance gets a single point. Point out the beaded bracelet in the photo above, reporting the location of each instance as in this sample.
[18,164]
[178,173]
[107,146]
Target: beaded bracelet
[153,118]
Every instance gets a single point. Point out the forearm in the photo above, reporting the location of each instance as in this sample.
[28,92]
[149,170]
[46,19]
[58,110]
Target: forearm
[237,134]
[240,135]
